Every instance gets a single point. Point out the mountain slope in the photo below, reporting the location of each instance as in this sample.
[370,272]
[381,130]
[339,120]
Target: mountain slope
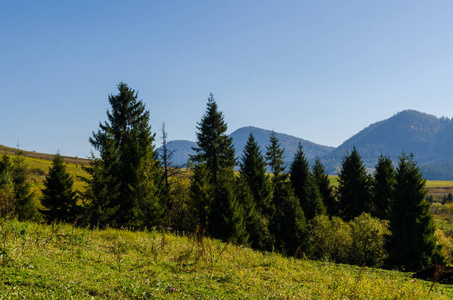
[288,142]
[429,138]
[182,149]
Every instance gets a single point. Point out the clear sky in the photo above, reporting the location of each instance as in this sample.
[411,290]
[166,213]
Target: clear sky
[319,70]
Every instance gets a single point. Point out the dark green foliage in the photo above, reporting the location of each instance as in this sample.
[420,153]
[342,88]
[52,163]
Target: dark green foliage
[253,172]
[126,180]
[7,201]
[383,187]
[201,193]
[325,189]
[288,225]
[354,190]
[101,192]
[412,244]
[16,188]
[25,207]
[447,199]
[255,190]
[305,187]
[213,190]
[256,224]
[275,159]
[226,215]
[59,199]
[215,148]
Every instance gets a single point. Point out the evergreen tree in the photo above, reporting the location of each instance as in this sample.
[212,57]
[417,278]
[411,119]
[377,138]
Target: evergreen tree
[25,207]
[383,187]
[255,191]
[226,216]
[126,180]
[59,199]
[213,185]
[215,148]
[253,171]
[7,201]
[288,225]
[322,181]
[354,190]
[305,187]
[412,244]
[200,192]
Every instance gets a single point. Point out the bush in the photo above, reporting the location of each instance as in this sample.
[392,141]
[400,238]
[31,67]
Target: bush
[361,241]
[329,239]
[368,246]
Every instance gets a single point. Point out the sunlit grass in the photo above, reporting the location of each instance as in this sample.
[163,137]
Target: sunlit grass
[43,261]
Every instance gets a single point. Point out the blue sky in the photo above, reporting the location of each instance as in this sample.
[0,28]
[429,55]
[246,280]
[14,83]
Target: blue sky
[319,70]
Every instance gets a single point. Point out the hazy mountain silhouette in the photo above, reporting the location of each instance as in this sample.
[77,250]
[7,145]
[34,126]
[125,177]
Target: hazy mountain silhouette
[429,138]
[182,149]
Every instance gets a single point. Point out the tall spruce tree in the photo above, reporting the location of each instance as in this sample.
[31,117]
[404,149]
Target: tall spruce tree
[412,244]
[354,189]
[59,199]
[253,170]
[213,186]
[126,180]
[288,225]
[215,148]
[383,187]
[305,187]
[256,194]
[321,178]
[25,207]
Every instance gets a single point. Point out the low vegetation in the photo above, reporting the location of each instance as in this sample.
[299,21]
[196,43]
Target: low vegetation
[61,261]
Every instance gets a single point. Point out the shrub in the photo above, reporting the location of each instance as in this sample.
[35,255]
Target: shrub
[361,241]
[329,239]
[368,246]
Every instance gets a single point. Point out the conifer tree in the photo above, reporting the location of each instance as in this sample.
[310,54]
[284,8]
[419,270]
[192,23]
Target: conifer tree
[383,187]
[255,190]
[322,181]
[126,179]
[25,207]
[7,201]
[288,225]
[253,171]
[354,190]
[200,195]
[213,185]
[226,216]
[215,148]
[412,244]
[59,199]
[305,187]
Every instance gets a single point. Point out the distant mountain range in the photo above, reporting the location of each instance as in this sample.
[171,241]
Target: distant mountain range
[428,137]
[181,149]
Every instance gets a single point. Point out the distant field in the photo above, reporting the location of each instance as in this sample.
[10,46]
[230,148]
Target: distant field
[39,164]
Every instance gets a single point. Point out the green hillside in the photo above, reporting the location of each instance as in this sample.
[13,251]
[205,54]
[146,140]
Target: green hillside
[61,262]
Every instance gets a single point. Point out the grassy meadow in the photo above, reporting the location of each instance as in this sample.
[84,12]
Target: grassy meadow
[44,261]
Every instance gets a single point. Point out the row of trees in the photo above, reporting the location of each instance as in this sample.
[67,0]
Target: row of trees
[286,211]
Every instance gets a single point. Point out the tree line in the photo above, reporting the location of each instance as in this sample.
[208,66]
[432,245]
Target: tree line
[375,219]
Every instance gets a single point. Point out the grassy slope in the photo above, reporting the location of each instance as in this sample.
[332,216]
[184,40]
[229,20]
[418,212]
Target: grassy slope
[60,262]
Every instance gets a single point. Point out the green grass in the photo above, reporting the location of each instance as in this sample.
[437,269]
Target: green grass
[43,262]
